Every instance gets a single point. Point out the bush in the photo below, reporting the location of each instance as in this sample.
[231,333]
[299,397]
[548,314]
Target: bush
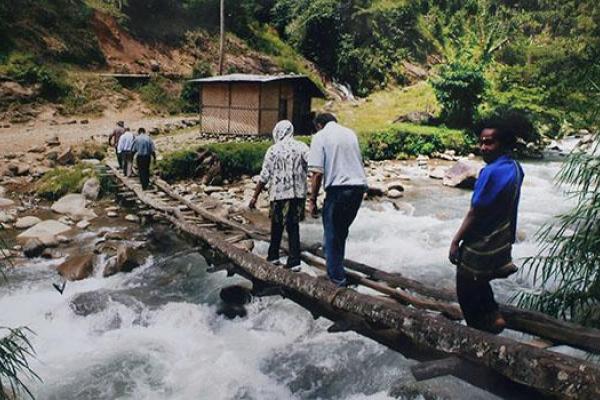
[156,94]
[60,181]
[459,88]
[179,164]
[401,140]
[518,120]
[25,69]
[239,158]
[92,150]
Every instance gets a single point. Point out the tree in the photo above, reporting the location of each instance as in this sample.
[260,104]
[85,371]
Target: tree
[568,265]
[459,88]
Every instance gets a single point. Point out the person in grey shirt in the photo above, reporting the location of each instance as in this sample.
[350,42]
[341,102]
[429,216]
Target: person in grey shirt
[335,158]
[145,150]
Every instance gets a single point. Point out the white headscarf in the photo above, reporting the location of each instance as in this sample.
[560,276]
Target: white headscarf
[283,130]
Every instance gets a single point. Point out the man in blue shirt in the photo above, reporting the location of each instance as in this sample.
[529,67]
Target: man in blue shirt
[481,248]
[144,149]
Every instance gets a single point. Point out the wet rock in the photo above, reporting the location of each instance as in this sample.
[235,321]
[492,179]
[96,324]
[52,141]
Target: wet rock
[91,189]
[462,174]
[84,122]
[53,141]
[112,214]
[131,218]
[394,194]
[236,294]
[521,236]
[375,189]
[33,248]
[125,261]
[77,268]
[395,185]
[88,303]
[437,173]
[73,205]
[27,222]
[66,157]
[44,229]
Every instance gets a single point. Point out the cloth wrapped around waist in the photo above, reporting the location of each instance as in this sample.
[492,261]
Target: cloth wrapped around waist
[488,256]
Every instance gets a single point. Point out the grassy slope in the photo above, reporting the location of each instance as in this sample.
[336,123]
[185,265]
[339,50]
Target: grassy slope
[381,108]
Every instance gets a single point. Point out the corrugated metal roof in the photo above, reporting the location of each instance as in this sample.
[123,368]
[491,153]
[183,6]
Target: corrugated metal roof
[316,91]
[248,78]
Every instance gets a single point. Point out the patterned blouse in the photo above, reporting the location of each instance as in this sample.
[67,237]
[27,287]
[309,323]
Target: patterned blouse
[285,164]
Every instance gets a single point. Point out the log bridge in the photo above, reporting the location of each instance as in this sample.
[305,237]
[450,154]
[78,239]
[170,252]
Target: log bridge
[418,320]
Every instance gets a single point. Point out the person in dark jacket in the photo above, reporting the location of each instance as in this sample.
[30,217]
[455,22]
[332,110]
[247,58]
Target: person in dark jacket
[145,151]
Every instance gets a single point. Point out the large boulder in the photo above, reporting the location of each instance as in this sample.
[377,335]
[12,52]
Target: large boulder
[27,222]
[125,261]
[437,173]
[73,205]
[91,189]
[77,268]
[462,174]
[44,229]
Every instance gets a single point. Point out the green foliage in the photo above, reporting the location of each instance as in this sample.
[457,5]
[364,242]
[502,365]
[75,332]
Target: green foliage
[92,150]
[176,165]
[160,97]
[63,180]
[459,88]
[190,94]
[25,69]
[239,158]
[567,267]
[400,140]
[15,349]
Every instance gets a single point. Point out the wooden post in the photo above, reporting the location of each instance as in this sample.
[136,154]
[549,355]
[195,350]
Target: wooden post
[222,38]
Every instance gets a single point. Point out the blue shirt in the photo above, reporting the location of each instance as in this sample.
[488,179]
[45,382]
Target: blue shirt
[143,145]
[496,195]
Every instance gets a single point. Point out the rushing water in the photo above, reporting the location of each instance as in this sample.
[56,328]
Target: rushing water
[155,333]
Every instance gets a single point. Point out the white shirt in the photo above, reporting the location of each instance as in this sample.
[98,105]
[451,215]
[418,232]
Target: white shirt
[334,151]
[126,142]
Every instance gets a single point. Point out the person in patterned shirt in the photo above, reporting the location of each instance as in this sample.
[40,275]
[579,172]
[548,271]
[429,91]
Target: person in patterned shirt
[284,169]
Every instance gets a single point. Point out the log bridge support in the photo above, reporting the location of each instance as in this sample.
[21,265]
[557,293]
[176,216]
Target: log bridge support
[400,321]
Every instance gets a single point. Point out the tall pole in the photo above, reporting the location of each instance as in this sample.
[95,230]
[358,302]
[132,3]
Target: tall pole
[222,38]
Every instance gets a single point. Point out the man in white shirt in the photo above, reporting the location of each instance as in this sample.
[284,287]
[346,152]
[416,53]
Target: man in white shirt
[125,148]
[335,158]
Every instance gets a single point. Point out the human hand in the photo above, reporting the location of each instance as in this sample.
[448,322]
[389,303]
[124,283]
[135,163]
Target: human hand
[312,208]
[454,252]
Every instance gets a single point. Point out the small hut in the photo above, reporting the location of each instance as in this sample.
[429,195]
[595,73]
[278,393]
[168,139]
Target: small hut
[244,104]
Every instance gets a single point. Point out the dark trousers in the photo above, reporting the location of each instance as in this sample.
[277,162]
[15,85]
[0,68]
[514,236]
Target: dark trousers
[288,214]
[127,158]
[143,163]
[119,159]
[476,300]
[339,211]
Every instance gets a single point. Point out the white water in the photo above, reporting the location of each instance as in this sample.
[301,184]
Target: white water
[154,333]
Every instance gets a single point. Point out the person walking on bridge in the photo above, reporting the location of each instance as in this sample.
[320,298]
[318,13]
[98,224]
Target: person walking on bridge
[285,169]
[113,140]
[145,151]
[481,249]
[125,148]
[335,158]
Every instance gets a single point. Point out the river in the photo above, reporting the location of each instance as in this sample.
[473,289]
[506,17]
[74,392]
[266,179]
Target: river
[155,333]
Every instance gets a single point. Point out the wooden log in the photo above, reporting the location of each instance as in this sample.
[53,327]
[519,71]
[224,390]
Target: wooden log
[551,373]
[435,368]
[449,310]
[548,372]
[535,323]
